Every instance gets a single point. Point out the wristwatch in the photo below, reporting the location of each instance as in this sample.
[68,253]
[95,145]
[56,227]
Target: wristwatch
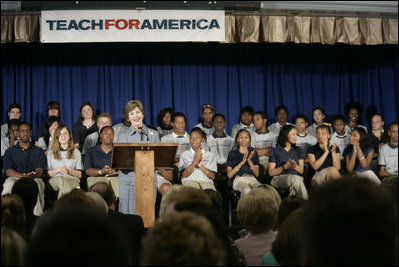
[100,172]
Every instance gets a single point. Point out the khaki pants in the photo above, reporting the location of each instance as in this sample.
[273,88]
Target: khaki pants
[113,181]
[245,183]
[293,182]
[369,175]
[38,210]
[319,177]
[200,184]
[64,184]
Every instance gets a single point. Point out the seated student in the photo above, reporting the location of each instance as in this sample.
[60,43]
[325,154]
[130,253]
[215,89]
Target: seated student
[85,125]
[197,166]
[12,136]
[207,113]
[388,156]
[358,155]
[246,116]
[104,119]
[64,162]
[122,126]
[318,119]
[45,142]
[98,161]
[180,136]
[303,140]
[25,160]
[378,134]
[324,158]
[243,164]
[219,143]
[281,114]
[353,111]
[264,140]
[164,122]
[286,163]
[13,112]
[340,136]
[53,108]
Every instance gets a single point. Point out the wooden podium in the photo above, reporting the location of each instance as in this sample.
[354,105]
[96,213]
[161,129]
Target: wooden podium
[144,158]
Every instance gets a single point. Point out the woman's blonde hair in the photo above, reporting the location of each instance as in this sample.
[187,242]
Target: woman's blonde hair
[57,145]
[258,210]
[132,104]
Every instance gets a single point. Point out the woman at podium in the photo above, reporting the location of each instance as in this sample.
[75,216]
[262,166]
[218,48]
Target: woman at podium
[138,132]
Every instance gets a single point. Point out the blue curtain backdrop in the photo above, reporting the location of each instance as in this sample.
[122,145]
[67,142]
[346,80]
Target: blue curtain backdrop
[187,75]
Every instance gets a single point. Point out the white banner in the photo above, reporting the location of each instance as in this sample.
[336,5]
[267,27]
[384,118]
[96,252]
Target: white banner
[64,26]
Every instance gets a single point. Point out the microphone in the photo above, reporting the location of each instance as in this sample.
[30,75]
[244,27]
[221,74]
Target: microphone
[144,132]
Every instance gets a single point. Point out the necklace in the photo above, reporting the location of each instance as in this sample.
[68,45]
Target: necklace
[105,149]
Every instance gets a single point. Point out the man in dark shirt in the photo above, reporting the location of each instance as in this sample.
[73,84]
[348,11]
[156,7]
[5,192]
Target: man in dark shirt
[25,160]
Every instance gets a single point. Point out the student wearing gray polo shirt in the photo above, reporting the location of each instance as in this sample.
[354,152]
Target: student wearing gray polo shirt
[219,143]
[388,156]
[180,136]
[303,140]
[64,162]
[281,114]
[286,163]
[104,119]
[246,116]
[207,112]
[263,139]
[198,166]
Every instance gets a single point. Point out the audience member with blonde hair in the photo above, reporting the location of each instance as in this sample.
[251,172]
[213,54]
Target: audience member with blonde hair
[13,248]
[183,238]
[64,162]
[257,212]
[13,213]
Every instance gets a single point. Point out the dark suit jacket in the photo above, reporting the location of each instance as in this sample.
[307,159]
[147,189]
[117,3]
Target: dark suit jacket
[132,228]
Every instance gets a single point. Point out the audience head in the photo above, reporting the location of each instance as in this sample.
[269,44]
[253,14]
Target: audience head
[207,112]
[13,213]
[353,111]
[216,199]
[75,198]
[197,138]
[301,122]
[105,190]
[178,193]
[288,205]
[25,132]
[14,111]
[318,114]
[100,203]
[63,138]
[281,114]
[360,135]
[288,134]
[13,125]
[104,119]
[107,134]
[246,114]
[260,120]
[243,138]
[219,122]
[178,122]
[351,221]
[182,238]
[393,132]
[165,117]
[13,247]
[257,210]
[87,112]
[28,190]
[339,124]
[76,235]
[286,248]
[53,108]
